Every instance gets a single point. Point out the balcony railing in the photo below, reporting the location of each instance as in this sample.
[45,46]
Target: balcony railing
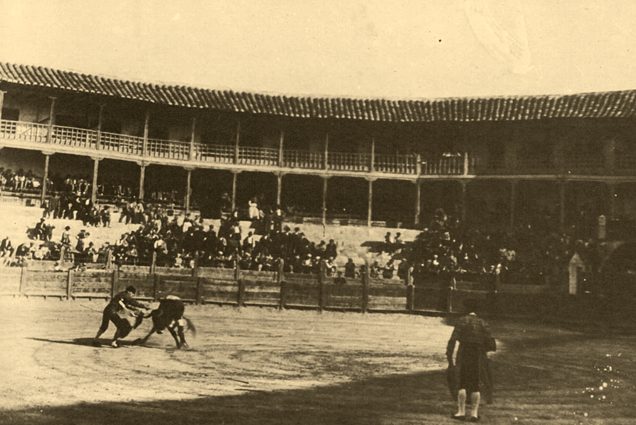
[395,164]
[87,141]
[303,159]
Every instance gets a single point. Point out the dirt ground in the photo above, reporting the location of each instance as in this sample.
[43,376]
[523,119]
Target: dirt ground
[263,366]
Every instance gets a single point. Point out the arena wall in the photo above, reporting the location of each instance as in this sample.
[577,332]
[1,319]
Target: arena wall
[226,286]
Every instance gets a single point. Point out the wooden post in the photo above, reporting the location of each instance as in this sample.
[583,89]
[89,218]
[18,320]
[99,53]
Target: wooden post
[240,299]
[410,297]
[2,93]
[418,164]
[366,277]
[113,282]
[192,135]
[418,202]
[237,141]
[466,163]
[153,263]
[100,120]
[47,158]
[326,154]
[322,275]
[142,178]
[234,185]
[370,203]
[144,145]
[279,188]
[280,278]
[188,189]
[49,134]
[372,156]
[281,143]
[94,184]
[23,278]
[69,284]
[324,200]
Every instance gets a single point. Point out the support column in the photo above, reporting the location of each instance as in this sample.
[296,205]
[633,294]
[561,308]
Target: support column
[370,203]
[94,184]
[188,189]
[562,188]
[325,179]
[144,146]
[372,157]
[513,200]
[49,133]
[418,202]
[279,188]
[234,184]
[45,176]
[2,92]
[142,178]
[463,184]
[237,140]
[281,143]
[192,135]
[100,120]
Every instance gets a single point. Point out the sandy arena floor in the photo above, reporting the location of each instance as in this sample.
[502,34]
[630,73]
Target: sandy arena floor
[262,366]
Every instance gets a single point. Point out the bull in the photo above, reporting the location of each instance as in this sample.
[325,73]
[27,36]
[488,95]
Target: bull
[169,315]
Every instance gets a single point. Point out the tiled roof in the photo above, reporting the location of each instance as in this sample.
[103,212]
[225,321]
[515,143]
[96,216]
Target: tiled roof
[617,104]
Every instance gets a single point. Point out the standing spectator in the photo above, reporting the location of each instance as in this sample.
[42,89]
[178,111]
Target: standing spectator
[252,209]
[472,366]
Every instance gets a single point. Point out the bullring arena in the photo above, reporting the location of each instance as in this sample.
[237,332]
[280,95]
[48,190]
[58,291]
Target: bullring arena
[324,249]
[264,366]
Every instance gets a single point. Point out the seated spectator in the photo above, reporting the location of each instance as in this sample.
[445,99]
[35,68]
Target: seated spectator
[350,269]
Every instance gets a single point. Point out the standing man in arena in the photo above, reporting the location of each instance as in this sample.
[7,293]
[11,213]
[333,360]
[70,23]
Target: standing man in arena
[471,370]
[119,309]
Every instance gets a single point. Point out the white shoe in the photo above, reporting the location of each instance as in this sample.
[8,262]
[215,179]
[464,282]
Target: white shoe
[114,344]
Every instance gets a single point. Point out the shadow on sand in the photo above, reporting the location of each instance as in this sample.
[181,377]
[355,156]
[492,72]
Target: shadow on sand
[383,400]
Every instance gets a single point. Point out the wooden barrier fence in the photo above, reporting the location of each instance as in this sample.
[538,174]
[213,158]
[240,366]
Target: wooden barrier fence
[279,289]
[207,285]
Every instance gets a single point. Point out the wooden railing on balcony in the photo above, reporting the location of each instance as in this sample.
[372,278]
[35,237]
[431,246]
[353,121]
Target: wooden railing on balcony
[31,132]
[169,149]
[74,137]
[85,141]
[452,165]
[303,159]
[258,156]
[220,154]
[348,161]
[395,163]
[122,143]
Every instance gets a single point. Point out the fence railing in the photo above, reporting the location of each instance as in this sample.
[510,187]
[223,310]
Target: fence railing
[258,156]
[405,164]
[349,161]
[121,143]
[395,164]
[169,149]
[74,137]
[303,159]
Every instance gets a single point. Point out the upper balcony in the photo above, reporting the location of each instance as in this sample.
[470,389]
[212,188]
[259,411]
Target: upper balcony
[79,141]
